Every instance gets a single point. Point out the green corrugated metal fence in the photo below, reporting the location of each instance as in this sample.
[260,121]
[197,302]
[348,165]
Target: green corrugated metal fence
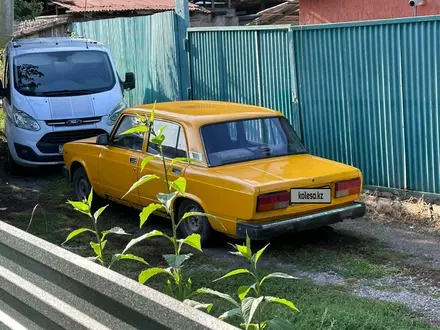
[367,91]
[252,65]
[144,45]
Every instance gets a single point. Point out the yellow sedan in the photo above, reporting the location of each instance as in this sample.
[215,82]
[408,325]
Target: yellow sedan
[252,172]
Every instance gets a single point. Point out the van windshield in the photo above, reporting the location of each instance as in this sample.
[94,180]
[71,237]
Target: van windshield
[63,73]
[250,139]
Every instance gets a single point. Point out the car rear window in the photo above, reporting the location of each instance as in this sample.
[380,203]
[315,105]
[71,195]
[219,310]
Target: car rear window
[250,139]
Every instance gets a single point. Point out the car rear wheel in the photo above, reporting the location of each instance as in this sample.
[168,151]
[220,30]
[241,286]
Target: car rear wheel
[196,224]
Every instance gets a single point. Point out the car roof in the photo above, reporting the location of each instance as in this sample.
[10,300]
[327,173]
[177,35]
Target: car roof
[204,112]
[53,44]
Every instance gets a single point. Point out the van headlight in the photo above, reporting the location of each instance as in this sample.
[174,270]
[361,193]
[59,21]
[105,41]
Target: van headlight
[24,121]
[113,116]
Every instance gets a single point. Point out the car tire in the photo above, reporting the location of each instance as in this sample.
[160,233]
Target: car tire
[81,184]
[12,167]
[194,225]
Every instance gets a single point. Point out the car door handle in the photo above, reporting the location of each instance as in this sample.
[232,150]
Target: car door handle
[176,170]
[133,160]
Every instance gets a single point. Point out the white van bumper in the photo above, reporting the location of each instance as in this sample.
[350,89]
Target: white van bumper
[43,147]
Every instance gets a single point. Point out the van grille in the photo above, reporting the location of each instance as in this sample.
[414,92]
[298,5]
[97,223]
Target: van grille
[49,143]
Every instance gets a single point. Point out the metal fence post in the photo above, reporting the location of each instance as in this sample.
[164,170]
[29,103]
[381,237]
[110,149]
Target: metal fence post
[182,18]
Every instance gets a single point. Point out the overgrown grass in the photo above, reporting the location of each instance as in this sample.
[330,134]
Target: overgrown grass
[411,210]
[316,251]
[344,310]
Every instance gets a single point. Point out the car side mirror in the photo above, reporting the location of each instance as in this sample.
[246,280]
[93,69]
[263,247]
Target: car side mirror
[102,139]
[130,81]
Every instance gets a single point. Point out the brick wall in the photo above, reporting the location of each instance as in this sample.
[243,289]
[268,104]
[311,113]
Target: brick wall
[331,11]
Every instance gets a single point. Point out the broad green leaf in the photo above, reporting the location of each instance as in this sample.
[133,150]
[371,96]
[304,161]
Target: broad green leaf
[145,161]
[144,236]
[76,233]
[149,273]
[230,313]
[195,214]
[152,115]
[140,182]
[279,324]
[246,305]
[233,273]
[81,207]
[147,211]
[95,247]
[98,213]
[179,185]
[243,291]
[119,256]
[115,231]
[193,240]
[243,251]
[136,129]
[198,305]
[166,199]
[278,275]
[281,301]
[248,244]
[158,139]
[257,255]
[182,160]
[255,303]
[176,261]
[224,296]
[90,199]
[161,129]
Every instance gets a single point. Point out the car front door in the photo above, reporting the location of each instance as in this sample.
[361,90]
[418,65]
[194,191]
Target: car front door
[118,162]
[173,146]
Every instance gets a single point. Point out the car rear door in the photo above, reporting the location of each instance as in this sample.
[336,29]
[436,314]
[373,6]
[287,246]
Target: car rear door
[118,162]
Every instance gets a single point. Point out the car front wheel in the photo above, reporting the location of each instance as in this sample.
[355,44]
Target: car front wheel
[194,224]
[81,184]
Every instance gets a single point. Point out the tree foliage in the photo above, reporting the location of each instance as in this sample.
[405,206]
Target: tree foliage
[27,9]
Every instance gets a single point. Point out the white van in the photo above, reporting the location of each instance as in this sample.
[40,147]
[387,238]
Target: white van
[56,90]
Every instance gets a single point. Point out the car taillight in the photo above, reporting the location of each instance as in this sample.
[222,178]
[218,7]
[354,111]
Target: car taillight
[346,188]
[274,201]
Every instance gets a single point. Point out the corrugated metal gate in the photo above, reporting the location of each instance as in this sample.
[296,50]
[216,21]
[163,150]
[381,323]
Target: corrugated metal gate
[368,91]
[144,45]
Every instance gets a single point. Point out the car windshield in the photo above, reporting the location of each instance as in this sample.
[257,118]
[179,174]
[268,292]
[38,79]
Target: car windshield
[63,73]
[250,139]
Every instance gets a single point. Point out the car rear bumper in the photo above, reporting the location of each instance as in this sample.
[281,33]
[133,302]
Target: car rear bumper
[275,228]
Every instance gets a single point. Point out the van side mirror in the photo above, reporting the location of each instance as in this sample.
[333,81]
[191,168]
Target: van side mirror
[102,139]
[130,81]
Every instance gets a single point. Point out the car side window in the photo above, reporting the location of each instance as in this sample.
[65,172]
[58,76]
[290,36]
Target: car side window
[174,144]
[132,141]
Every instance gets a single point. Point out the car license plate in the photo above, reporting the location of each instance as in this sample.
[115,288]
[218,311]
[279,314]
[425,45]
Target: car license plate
[60,149]
[310,195]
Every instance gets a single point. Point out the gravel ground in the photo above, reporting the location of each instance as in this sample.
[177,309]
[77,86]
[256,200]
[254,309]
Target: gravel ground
[424,247]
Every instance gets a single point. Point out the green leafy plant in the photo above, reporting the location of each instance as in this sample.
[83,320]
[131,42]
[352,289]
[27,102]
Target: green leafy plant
[176,285]
[252,310]
[98,247]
